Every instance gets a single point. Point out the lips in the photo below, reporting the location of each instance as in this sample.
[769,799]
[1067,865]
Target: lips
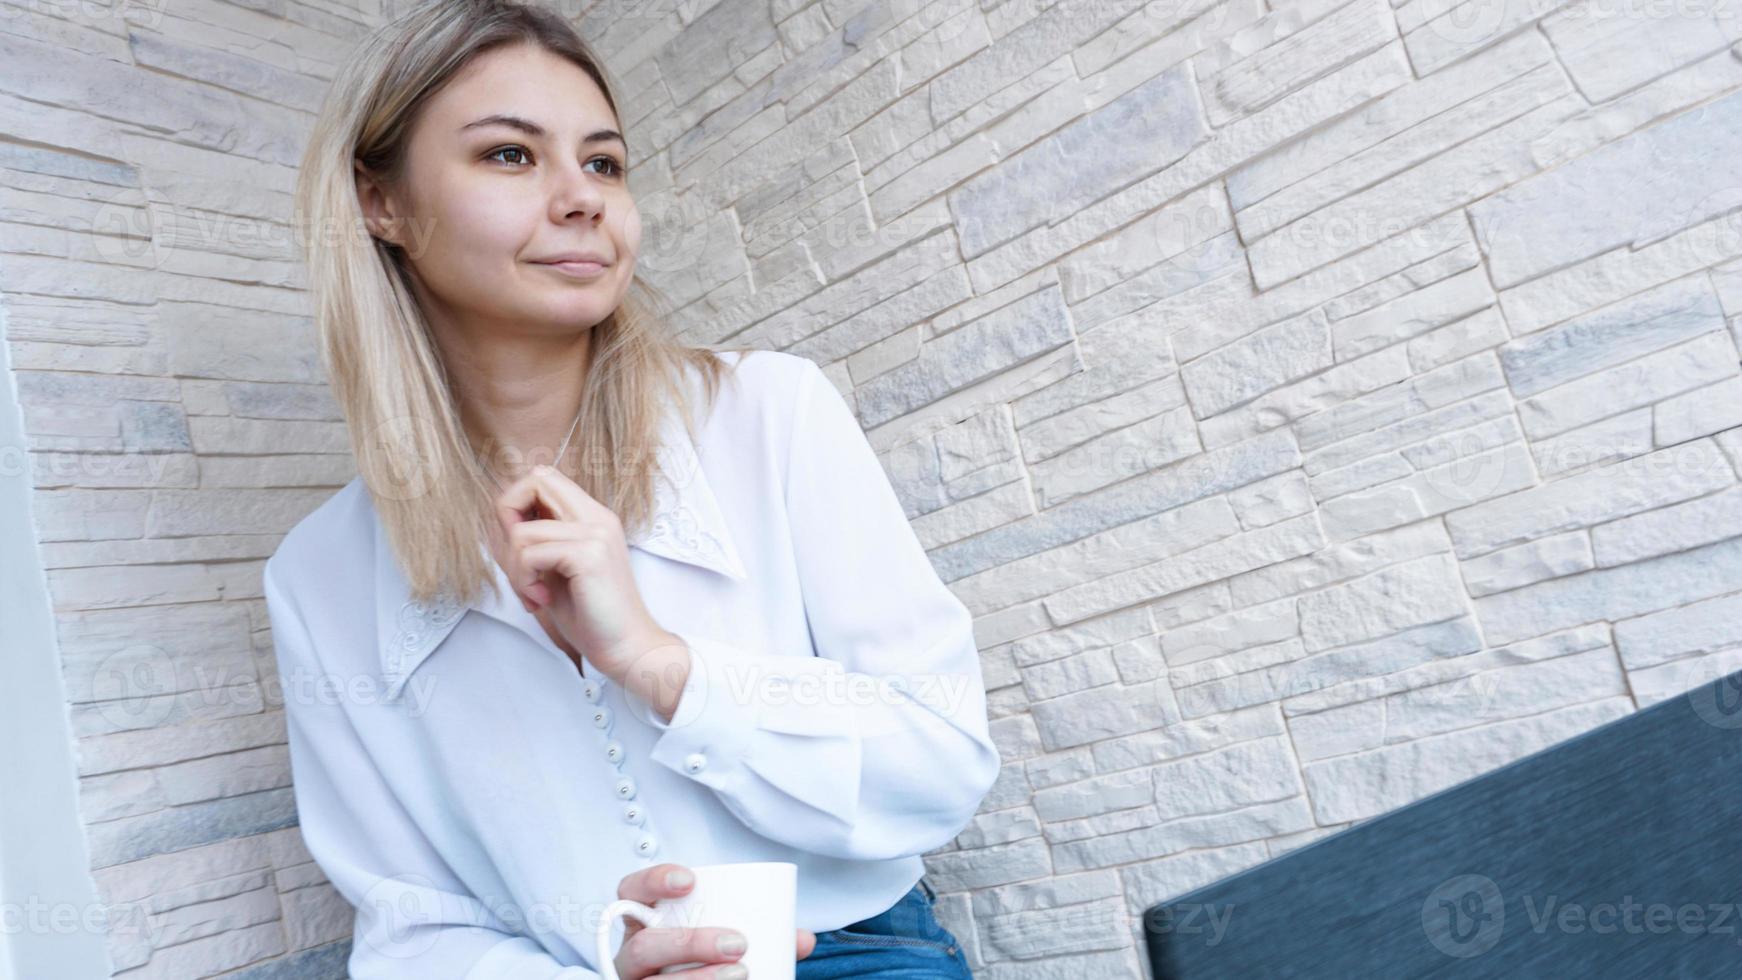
[574,257]
[583,270]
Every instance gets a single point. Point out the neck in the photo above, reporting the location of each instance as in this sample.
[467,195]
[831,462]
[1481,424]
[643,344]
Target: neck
[518,396]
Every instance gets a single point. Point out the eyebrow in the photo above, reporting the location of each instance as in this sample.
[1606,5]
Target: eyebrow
[531,128]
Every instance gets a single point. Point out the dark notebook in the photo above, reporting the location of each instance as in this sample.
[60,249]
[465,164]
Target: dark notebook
[1617,853]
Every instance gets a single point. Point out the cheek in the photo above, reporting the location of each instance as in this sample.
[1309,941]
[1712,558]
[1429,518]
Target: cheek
[479,225]
[632,233]
[468,220]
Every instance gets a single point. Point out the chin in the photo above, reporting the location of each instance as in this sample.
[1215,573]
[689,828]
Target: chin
[571,313]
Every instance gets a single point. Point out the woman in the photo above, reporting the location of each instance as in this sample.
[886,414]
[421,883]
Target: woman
[710,571]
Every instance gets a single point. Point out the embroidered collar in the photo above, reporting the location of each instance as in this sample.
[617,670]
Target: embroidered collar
[687,525]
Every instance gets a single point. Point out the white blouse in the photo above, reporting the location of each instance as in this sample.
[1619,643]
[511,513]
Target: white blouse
[478,798]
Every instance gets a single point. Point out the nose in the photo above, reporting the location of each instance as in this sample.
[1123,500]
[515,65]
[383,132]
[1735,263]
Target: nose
[574,191]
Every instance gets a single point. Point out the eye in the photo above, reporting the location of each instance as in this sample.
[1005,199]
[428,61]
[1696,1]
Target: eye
[616,168]
[506,149]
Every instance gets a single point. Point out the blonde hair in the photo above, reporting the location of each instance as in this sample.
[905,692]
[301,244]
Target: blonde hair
[429,489]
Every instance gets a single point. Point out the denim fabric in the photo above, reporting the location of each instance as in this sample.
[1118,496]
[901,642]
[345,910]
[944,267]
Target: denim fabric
[903,942]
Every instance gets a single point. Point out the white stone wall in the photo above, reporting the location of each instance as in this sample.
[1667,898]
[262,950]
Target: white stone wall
[1317,404]
[177,425]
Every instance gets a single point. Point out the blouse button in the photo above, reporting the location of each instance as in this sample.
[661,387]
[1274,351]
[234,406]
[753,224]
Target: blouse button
[614,751]
[625,787]
[591,690]
[602,717]
[695,762]
[646,845]
[632,814]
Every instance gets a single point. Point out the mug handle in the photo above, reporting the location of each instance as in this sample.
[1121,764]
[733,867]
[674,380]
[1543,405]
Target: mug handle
[647,915]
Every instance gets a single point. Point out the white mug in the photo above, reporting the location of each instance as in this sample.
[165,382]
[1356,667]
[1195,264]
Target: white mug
[755,898]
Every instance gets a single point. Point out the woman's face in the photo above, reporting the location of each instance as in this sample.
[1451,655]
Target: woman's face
[513,164]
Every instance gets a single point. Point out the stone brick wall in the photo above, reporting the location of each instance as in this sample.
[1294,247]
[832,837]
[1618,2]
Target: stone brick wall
[177,425]
[1317,403]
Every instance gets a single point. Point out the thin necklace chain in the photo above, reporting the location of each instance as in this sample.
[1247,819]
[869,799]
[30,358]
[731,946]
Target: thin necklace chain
[559,453]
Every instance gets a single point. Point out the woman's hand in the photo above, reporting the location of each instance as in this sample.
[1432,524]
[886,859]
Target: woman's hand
[646,951]
[567,555]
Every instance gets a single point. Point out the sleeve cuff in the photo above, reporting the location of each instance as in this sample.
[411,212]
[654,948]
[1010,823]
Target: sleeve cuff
[730,694]
[715,714]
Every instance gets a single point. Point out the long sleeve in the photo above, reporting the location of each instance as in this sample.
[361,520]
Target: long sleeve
[877,746]
[414,919]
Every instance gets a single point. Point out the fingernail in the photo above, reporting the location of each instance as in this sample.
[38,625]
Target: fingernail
[678,879]
[731,945]
[734,972]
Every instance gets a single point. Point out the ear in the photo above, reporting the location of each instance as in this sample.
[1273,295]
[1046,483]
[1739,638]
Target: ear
[377,206]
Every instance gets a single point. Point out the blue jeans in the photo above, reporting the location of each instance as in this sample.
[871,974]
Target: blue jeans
[903,942]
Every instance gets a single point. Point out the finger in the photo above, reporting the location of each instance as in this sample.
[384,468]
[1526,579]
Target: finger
[807,941]
[534,564]
[518,504]
[519,501]
[651,950]
[544,561]
[538,531]
[539,594]
[570,501]
[528,582]
[503,558]
[649,885]
[513,565]
[526,597]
